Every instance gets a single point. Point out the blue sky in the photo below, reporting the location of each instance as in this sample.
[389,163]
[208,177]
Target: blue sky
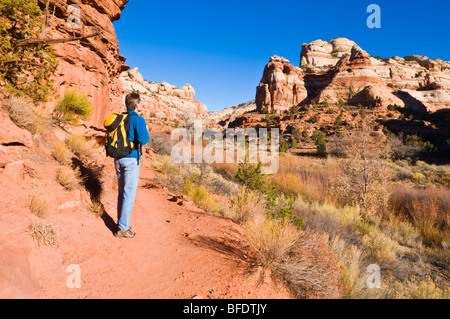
[221,47]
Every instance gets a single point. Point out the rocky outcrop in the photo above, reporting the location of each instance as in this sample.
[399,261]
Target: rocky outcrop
[229,114]
[323,54]
[163,102]
[356,82]
[281,86]
[91,65]
[340,71]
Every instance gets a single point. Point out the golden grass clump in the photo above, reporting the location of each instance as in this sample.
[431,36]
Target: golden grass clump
[202,198]
[80,145]
[25,115]
[39,205]
[62,154]
[69,178]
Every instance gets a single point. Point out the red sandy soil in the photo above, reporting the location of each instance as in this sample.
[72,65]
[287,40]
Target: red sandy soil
[179,250]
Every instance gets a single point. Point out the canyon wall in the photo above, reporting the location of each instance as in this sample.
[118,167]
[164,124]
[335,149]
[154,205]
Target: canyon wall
[92,65]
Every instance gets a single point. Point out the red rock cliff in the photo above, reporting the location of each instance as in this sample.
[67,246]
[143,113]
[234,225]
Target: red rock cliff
[92,65]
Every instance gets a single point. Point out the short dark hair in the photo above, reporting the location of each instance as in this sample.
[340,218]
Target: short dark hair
[131,100]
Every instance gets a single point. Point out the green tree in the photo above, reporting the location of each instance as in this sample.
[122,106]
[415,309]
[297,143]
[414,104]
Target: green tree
[26,68]
[321,146]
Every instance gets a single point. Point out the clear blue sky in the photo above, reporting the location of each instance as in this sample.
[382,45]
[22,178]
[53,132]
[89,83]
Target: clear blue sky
[221,47]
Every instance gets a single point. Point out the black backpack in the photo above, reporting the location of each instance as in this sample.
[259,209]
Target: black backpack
[116,138]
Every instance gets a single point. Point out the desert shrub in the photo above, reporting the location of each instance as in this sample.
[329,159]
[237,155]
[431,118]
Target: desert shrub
[350,258]
[43,234]
[250,175]
[61,153]
[314,119]
[39,205]
[73,106]
[401,150]
[428,209]
[272,120]
[312,270]
[300,176]
[202,197]
[69,178]
[321,145]
[272,239]
[160,143]
[245,206]
[419,289]
[381,246]
[284,146]
[80,145]
[25,115]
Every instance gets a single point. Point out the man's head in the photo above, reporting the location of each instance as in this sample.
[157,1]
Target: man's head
[131,101]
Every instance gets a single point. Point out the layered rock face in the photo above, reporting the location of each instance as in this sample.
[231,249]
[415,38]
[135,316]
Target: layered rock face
[355,81]
[92,65]
[163,101]
[281,86]
[339,70]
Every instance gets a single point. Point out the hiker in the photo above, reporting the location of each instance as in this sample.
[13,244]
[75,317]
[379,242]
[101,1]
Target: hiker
[127,167]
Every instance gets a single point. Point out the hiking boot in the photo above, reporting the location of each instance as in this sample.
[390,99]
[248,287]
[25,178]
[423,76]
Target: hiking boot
[124,233]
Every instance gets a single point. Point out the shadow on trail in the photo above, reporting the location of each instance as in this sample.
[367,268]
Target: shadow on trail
[91,174]
[230,248]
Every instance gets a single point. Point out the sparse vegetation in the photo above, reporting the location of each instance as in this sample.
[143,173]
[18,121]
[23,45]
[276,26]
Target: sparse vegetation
[72,107]
[80,145]
[44,234]
[39,205]
[69,178]
[25,115]
[62,154]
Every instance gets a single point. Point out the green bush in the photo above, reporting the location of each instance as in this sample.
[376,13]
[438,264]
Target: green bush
[321,146]
[74,106]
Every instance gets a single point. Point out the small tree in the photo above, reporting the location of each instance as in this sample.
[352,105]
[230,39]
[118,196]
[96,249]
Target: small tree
[25,70]
[321,145]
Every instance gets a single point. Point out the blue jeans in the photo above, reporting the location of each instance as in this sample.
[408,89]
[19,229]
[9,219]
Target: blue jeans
[127,170]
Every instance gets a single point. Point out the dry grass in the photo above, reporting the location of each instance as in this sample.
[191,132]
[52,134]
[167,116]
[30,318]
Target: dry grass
[312,268]
[62,154]
[423,289]
[39,205]
[44,234]
[25,115]
[245,206]
[427,209]
[381,246]
[273,239]
[97,208]
[80,145]
[69,178]
[202,198]
[306,177]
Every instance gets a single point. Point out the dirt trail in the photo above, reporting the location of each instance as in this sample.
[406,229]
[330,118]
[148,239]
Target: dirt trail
[179,252]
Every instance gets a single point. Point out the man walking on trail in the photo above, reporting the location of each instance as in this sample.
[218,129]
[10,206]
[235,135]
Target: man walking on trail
[127,168]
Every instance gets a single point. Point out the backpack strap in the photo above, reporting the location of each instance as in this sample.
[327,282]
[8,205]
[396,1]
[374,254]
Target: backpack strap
[136,146]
